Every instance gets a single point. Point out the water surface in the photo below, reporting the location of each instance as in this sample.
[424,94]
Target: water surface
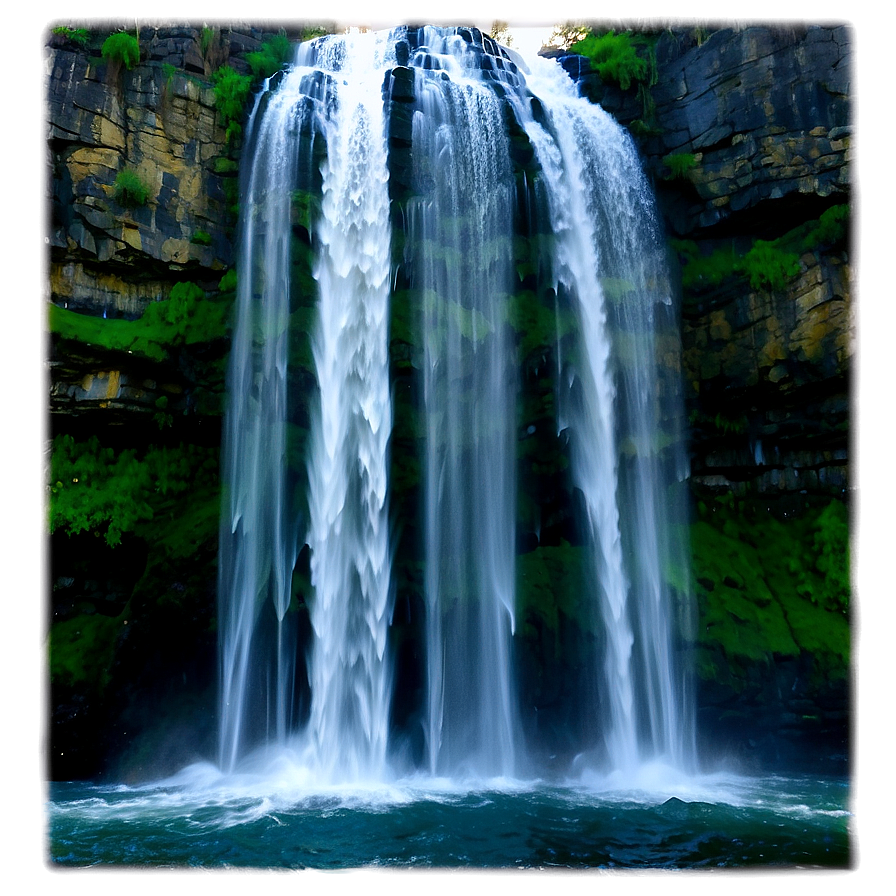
[279,819]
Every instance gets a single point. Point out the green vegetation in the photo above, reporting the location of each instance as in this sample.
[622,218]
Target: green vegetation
[679,164]
[187,317]
[275,52]
[768,264]
[81,649]
[79,36]
[614,57]
[551,581]
[121,48]
[231,93]
[767,587]
[765,265]
[309,32]
[206,39]
[831,542]
[130,190]
[627,59]
[705,270]
[228,282]
[201,238]
[769,267]
[232,90]
[98,489]
[566,34]
[830,229]
[161,417]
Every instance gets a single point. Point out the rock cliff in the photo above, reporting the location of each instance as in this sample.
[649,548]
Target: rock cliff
[747,135]
[749,138]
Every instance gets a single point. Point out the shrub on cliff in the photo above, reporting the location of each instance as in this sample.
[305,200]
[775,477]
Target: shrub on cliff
[830,229]
[78,36]
[231,93]
[130,190]
[679,164]
[614,57]
[767,266]
[275,52]
[122,48]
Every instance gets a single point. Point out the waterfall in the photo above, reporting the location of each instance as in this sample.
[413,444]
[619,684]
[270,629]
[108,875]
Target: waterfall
[609,260]
[347,525]
[258,526]
[306,455]
[460,238]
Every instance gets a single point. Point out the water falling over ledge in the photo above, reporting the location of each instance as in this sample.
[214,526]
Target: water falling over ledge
[323,137]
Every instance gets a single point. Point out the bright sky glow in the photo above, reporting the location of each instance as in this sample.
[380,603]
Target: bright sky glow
[529,39]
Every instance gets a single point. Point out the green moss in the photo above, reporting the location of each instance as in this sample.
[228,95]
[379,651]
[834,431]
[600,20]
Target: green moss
[130,191]
[187,317]
[551,580]
[760,585]
[121,48]
[224,165]
[98,489]
[304,209]
[228,282]
[81,650]
[679,164]
[701,271]
[201,238]
[831,542]
[402,319]
[301,324]
[181,526]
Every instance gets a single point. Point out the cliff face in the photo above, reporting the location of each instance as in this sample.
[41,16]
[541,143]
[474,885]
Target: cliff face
[749,146]
[747,140]
[750,140]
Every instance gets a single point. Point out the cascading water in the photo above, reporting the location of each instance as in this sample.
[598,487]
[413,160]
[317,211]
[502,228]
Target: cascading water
[609,260]
[350,570]
[334,94]
[460,237]
[258,529]
[324,128]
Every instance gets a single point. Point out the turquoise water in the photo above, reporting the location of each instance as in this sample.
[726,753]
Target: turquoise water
[203,819]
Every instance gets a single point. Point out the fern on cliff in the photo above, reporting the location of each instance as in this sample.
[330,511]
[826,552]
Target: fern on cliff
[122,48]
